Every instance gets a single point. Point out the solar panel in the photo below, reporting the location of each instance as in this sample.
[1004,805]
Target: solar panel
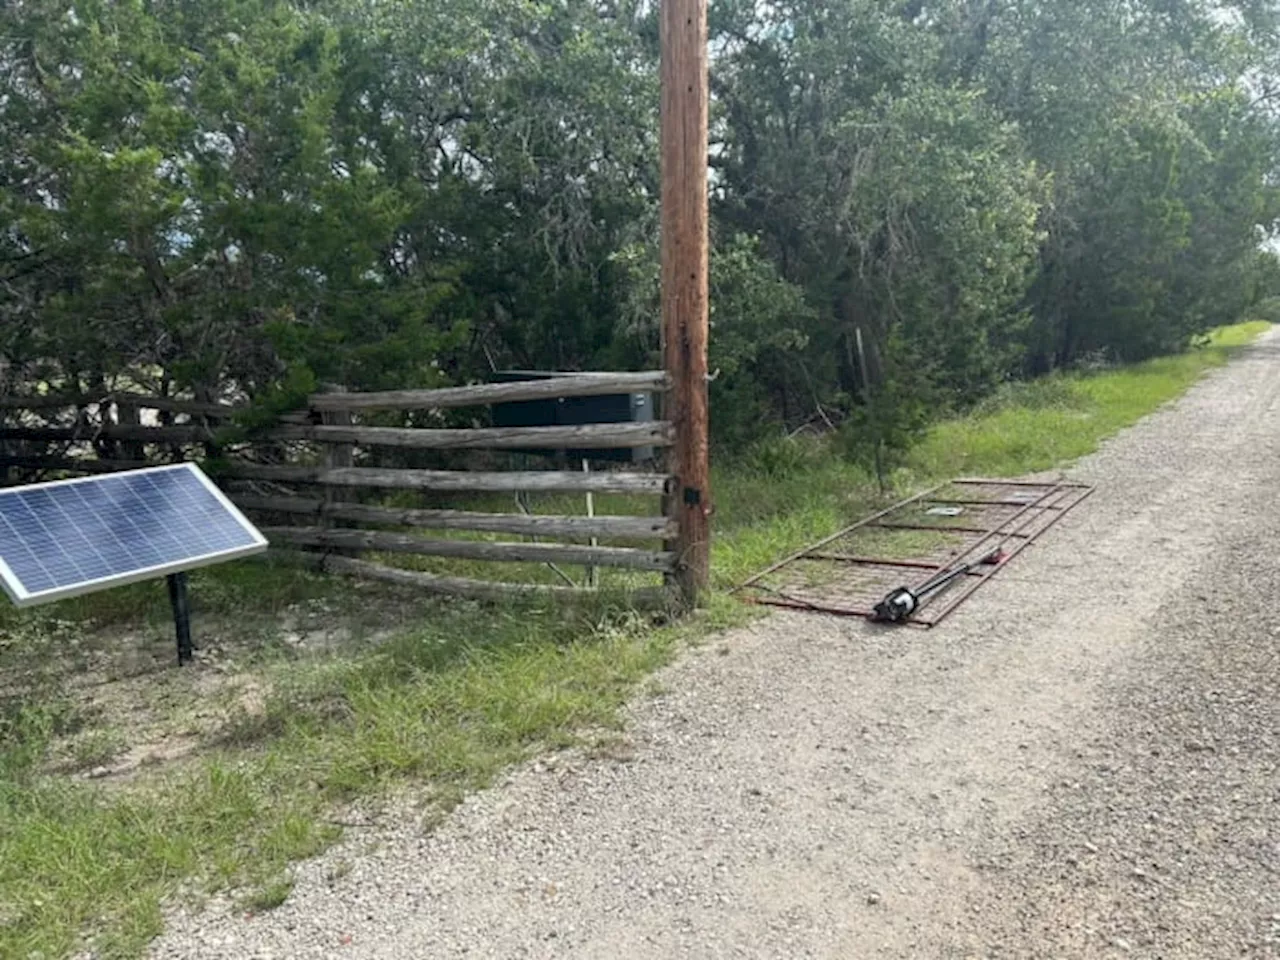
[70,537]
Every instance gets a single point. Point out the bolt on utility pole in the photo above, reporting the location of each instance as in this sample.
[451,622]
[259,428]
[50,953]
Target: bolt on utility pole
[684,282]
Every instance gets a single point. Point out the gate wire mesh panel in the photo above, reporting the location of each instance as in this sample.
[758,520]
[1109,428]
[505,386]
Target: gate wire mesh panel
[952,525]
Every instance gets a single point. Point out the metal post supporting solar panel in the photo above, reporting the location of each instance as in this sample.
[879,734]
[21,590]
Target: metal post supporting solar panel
[181,615]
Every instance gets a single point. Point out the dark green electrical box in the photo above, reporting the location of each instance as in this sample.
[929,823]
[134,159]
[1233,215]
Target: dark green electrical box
[575,411]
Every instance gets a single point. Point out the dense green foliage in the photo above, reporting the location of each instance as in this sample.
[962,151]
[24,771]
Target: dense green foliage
[226,196]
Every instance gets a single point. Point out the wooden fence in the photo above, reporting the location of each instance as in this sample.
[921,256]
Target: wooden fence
[317,502]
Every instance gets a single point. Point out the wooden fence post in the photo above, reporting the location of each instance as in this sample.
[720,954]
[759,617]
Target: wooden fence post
[336,456]
[684,281]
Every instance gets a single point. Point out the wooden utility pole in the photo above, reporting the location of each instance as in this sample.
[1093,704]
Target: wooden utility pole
[684,281]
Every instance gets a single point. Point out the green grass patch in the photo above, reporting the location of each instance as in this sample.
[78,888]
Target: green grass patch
[448,703]
[223,590]
[446,698]
[794,492]
[762,514]
[1048,422]
[268,896]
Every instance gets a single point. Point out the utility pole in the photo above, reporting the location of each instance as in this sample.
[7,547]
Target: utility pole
[684,282]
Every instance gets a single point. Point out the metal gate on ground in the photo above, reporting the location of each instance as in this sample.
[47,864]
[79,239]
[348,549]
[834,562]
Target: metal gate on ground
[946,527]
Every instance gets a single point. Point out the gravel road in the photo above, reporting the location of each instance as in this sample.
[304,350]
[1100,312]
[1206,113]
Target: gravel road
[1083,761]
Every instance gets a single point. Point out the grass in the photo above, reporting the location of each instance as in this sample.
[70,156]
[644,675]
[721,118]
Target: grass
[448,703]
[441,696]
[797,493]
[1038,425]
[268,896]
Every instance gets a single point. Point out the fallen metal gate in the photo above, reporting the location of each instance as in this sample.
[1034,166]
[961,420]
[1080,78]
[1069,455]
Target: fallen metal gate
[953,523]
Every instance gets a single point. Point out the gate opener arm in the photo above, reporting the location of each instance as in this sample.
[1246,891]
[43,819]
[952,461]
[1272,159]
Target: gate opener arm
[897,606]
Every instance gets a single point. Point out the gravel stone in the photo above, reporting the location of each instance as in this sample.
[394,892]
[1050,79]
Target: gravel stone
[1083,761]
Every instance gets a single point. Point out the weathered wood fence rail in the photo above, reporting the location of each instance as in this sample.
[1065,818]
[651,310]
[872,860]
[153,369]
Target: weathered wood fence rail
[628,528]
[603,436]
[454,481]
[326,530]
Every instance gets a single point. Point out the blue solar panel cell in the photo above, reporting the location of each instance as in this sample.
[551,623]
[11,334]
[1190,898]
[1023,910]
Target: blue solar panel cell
[69,537]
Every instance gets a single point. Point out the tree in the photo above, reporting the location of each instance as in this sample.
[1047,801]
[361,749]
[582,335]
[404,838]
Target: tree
[255,197]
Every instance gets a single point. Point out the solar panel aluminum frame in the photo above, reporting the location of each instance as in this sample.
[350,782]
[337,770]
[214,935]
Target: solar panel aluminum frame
[21,597]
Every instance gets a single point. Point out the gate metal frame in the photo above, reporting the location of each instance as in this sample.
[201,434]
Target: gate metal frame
[1012,535]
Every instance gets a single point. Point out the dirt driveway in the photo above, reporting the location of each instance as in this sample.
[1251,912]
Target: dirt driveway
[1084,761]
